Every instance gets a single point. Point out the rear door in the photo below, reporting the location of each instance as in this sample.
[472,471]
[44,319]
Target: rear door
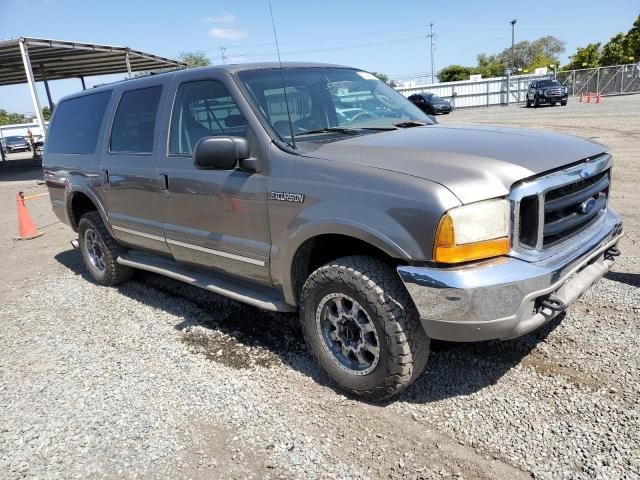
[213,218]
[130,170]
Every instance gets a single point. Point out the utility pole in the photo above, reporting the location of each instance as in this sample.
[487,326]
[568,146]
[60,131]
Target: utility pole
[223,56]
[433,54]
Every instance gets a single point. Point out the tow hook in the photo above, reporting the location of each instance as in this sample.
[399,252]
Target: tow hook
[75,244]
[612,253]
[553,303]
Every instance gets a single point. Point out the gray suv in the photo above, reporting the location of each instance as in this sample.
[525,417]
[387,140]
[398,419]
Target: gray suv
[319,189]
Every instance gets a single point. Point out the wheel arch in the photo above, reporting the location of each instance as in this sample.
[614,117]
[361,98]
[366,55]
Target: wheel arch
[323,243]
[80,201]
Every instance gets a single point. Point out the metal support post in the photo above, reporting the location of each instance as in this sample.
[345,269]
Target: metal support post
[126,59]
[598,81]
[46,87]
[24,51]
[508,85]
[84,87]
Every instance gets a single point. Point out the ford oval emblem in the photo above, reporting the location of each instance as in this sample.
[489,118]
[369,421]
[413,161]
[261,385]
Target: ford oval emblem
[587,206]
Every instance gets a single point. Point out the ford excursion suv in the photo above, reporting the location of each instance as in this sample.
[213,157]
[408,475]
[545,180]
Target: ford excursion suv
[319,189]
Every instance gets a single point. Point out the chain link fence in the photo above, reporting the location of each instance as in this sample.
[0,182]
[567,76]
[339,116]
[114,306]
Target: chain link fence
[616,80]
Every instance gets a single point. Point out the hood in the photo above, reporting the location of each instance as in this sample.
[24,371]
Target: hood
[474,162]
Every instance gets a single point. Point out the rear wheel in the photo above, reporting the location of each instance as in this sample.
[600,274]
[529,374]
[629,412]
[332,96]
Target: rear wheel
[362,327]
[100,251]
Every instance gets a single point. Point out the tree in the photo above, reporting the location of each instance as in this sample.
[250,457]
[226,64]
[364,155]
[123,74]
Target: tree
[587,57]
[385,78]
[455,73]
[194,59]
[11,118]
[46,113]
[525,52]
[613,52]
[632,42]
[490,65]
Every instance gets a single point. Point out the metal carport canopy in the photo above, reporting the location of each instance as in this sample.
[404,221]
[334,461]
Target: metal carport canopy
[30,60]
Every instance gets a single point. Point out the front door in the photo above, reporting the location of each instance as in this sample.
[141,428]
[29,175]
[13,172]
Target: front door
[213,218]
[129,171]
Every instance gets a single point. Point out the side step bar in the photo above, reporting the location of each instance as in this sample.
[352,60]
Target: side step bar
[257,296]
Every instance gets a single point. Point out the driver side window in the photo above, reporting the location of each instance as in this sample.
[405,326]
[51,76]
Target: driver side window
[203,108]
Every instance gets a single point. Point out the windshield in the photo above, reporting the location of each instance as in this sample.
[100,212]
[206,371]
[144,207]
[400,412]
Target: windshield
[341,100]
[15,140]
[548,83]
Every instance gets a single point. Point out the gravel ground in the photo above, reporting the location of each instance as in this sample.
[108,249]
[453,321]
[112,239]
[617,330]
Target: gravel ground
[157,379]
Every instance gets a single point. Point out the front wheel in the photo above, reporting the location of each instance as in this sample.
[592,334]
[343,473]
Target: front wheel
[564,104]
[536,102]
[362,327]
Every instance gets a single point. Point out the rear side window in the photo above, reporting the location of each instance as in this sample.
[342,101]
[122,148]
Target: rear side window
[77,123]
[135,121]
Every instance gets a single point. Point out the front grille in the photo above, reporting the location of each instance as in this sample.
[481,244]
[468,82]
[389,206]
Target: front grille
[554,92]
[556,207]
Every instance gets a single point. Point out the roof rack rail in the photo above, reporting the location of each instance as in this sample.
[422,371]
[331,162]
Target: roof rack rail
[138,75]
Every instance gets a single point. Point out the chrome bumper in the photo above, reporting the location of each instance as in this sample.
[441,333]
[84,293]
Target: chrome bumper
[501,298]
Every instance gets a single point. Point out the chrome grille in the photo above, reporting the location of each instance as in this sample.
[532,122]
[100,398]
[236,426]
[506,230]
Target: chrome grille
[552,92]
[554,208]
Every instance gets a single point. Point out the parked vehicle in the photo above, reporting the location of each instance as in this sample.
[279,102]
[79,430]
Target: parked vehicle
[547,91]
[383,231]
[15,144]
[431,104]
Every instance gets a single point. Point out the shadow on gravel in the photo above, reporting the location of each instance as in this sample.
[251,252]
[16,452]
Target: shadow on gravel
[632,279]
[456,369]
[241,336]
[20,173]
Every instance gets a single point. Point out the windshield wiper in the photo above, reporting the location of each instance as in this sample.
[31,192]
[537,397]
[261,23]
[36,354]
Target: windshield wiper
[410,123]
[346,130]
[349,131]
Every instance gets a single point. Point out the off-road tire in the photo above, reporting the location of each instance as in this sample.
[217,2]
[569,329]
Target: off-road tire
[376,286]
[113,273]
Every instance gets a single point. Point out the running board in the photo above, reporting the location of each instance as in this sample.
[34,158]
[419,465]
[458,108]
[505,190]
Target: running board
[216,283]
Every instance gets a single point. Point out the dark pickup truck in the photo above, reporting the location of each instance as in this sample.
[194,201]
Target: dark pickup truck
[319,189]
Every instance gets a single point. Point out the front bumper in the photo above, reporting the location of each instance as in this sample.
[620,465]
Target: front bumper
[501,298]
[553,98]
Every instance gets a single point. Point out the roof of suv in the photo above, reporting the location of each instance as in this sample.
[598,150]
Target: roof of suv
[231,68]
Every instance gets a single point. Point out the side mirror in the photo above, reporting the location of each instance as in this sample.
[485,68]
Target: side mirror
[220,153]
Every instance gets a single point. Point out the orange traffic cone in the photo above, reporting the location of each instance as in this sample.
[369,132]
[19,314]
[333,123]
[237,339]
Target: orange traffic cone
[589,98]
[581,97]
[598,97]
[25,225]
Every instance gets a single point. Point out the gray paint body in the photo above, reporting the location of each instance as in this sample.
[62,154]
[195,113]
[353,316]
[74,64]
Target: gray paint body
[388,189]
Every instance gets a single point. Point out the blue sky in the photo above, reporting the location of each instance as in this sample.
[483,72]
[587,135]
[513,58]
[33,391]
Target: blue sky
[373,35]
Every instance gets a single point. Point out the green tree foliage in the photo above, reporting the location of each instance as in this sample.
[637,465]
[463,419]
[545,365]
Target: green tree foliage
[46,113]
[613,52]
[194,59]
[621,48]
[7,118]
[385,78]
[455,73]
[586,57]
[490,66]
[525,55]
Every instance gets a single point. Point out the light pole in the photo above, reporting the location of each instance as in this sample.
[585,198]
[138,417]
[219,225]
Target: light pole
[433,68]
[513,41]
[509,67]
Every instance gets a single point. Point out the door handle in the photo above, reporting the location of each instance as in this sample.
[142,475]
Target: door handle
[105,178]
[164,183]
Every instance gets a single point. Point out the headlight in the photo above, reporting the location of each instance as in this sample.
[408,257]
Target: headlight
[472,232]
[540,92]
